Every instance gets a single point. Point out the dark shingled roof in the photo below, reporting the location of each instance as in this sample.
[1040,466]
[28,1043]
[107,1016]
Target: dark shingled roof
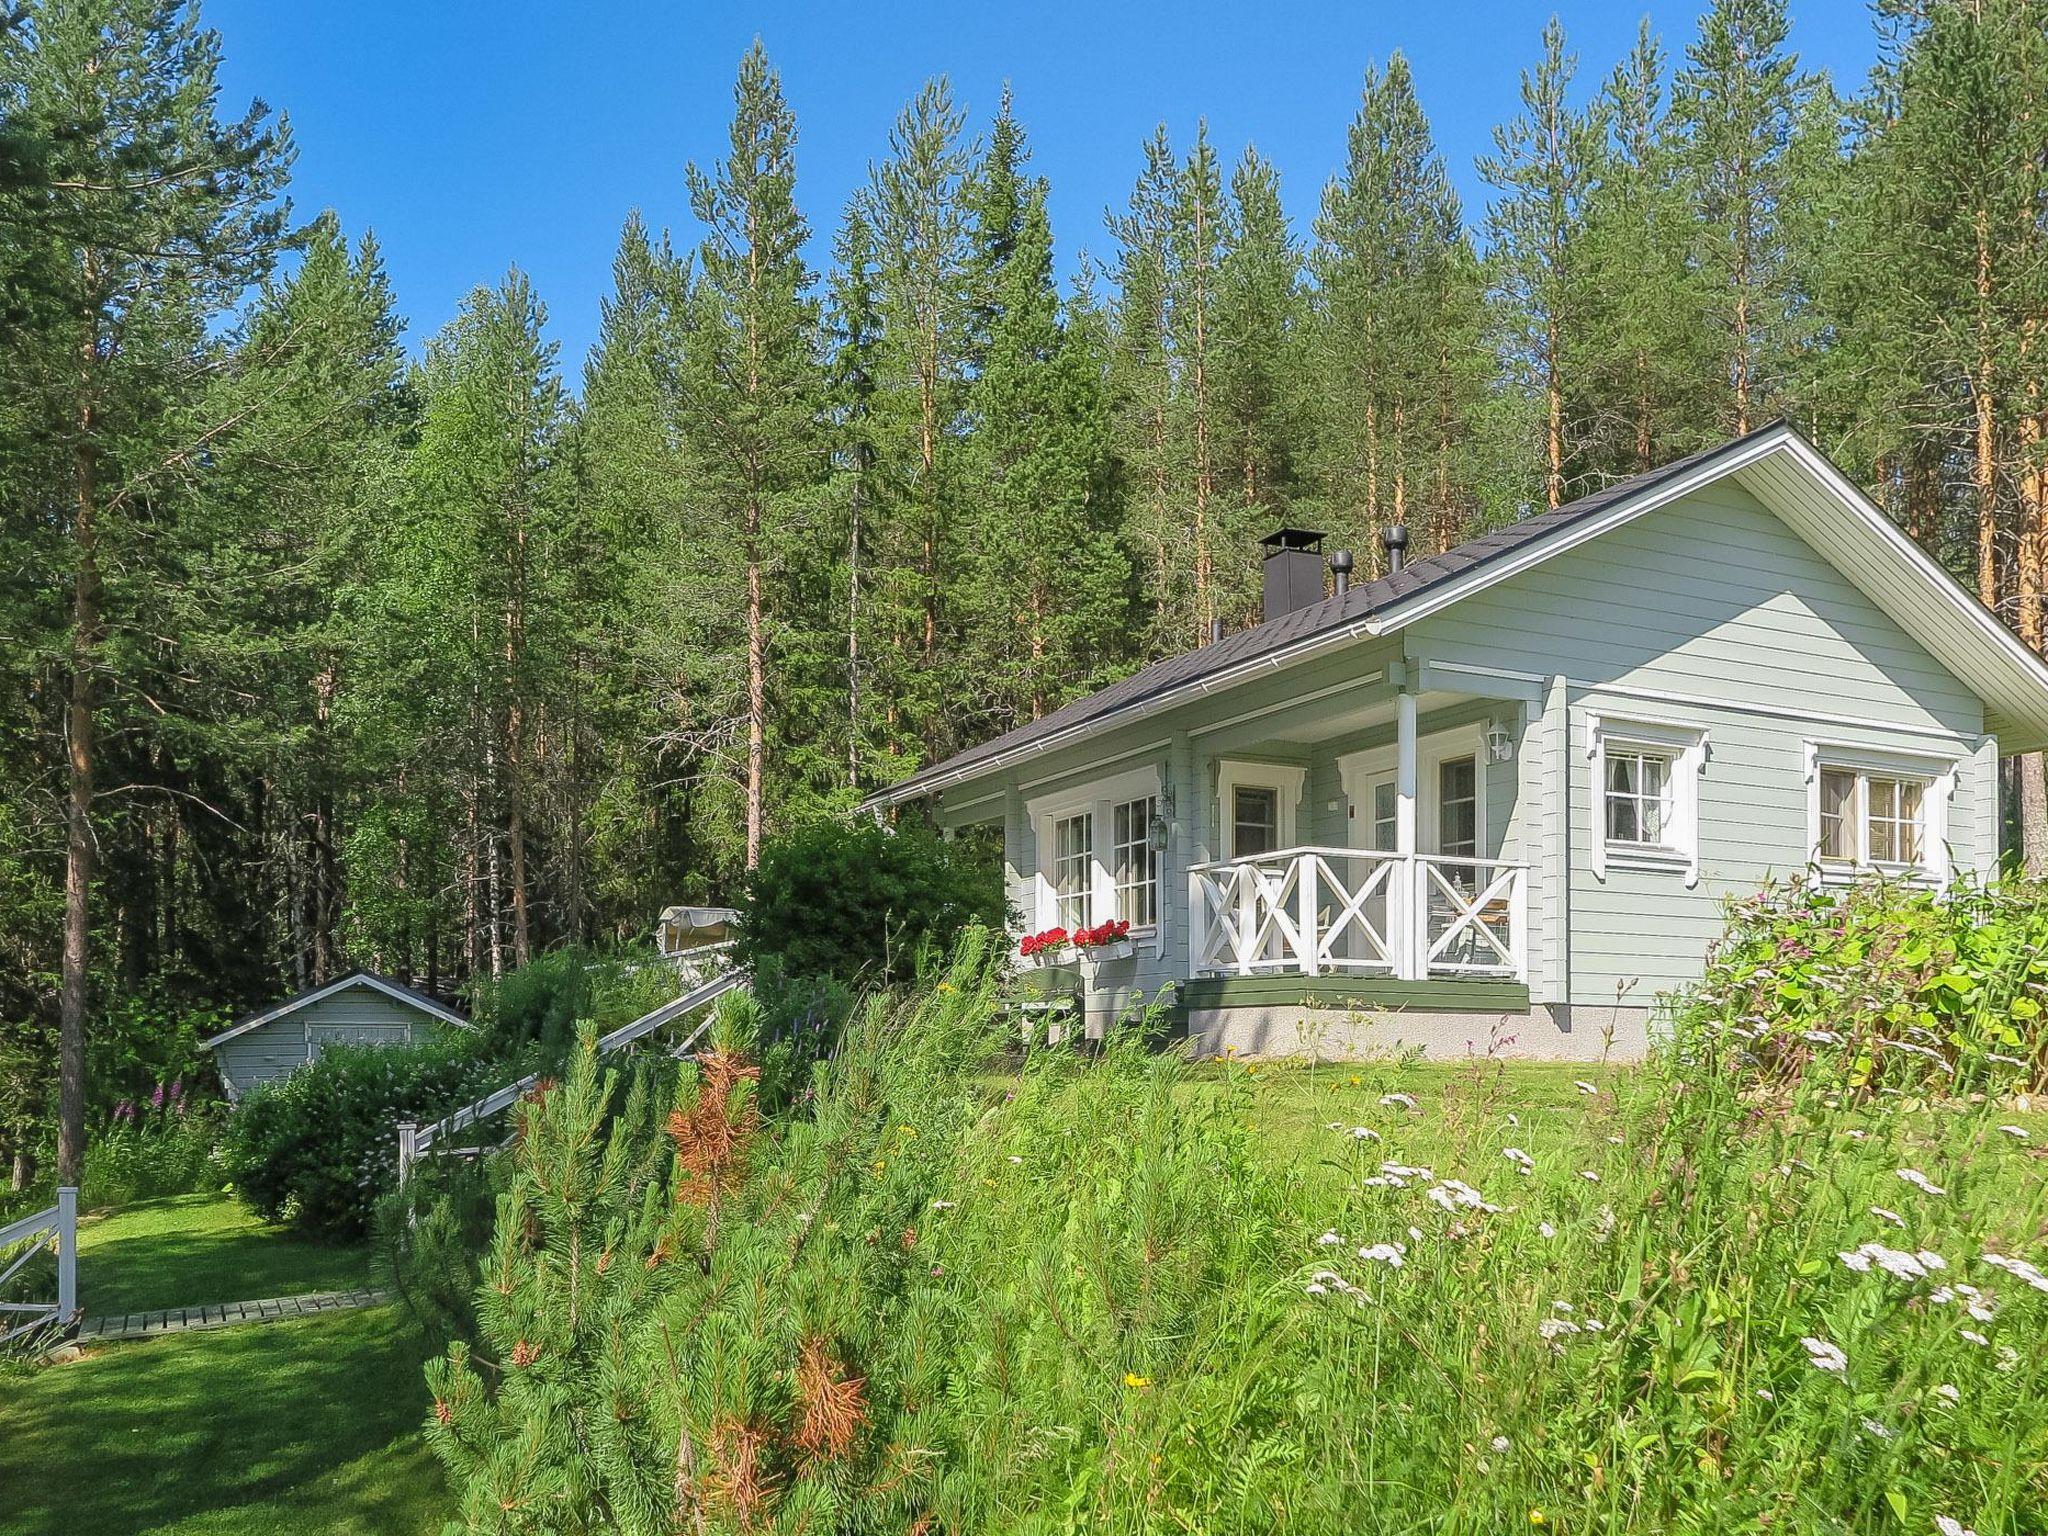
[1305,624]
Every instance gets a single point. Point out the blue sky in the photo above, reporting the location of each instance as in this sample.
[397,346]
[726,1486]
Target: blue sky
[474,135]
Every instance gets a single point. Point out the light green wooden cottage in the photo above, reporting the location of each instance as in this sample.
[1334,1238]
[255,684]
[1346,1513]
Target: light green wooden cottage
[1498,797]
[359,1009]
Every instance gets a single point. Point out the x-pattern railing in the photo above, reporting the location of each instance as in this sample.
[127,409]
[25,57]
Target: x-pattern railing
[1318,910]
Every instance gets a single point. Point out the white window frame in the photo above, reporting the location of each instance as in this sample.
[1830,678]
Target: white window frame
[1685,747]
[1934,773]
[1361,772]
[1286,779]
[1099,801]
[1143,845]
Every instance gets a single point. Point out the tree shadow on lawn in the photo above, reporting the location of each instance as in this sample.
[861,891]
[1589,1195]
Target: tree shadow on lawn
[196,1250]
[136,1436]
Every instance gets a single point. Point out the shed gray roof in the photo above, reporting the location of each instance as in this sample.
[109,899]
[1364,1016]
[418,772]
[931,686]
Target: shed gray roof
[396,991]
[1330,616]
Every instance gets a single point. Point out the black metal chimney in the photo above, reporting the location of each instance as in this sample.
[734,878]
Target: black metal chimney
[1215,630]
[1395,538]
[1294,570]
[1340,568]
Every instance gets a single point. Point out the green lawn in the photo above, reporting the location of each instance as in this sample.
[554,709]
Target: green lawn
[307,1427]
[190,1250]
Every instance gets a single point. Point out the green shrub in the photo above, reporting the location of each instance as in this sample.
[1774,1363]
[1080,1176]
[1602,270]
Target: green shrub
[1881,985]
[318,1149]
[859,902]
[536,1009]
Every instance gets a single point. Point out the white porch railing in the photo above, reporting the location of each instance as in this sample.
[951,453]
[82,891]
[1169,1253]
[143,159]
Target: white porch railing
[58,1224]
[1320,911]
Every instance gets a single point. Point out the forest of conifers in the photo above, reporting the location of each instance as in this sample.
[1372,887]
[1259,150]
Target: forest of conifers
[314,653]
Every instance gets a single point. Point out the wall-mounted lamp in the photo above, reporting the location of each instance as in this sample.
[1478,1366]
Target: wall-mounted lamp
[1162,832]
[1500,746]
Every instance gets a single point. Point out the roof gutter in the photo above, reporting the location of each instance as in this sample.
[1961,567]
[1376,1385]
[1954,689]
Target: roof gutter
[914,788]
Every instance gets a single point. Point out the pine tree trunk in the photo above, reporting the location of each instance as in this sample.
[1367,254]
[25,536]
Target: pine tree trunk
[1205,482]
[78,842]
[1983,473]
[853,621]
[757,692]
[1553,436]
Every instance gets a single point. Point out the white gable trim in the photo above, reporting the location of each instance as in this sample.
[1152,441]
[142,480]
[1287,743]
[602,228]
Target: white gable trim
[358,979]
[1867,547]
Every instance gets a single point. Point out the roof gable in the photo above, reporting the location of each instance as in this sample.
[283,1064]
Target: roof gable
[1784,471]
[398,993]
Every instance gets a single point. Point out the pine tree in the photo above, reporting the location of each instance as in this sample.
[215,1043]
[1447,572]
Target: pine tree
[1738,105]
[155,214]
[917,207]
[1258,309]
[1048,569]
[752,392]
[467,614]
[1640,352]
[1396,322]
[1543,166]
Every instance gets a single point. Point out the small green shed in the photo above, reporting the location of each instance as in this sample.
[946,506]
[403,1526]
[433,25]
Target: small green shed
[361,1008]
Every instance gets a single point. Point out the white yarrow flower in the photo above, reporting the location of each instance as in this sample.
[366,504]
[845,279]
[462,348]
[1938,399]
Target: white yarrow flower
[1545,1230]
[1948,1393]
[1589,1176]
[1823,1356]
[1891,1216]
[1393,1255]
[2019,1269]
[1329,1240]
[2017,1132]
[1920,1181]
[1523,1162]
[1948,1525]
[1389,1100]
[1583,1086]
[1364,1133]
[1500,1443]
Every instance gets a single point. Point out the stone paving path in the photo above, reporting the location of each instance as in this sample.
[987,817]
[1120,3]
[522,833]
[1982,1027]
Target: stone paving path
[226,1314]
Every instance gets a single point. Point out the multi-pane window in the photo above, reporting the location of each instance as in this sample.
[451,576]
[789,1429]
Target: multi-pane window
[1072,866]
[1384,800]
[1457,808]
[1254,820]
[1638,797]
[1134,863]
[1870,818]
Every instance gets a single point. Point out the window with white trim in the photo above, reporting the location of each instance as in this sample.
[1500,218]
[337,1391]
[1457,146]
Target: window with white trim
[1871,820]
[1646,795]
[1639,796]
[1134,862]
[1099,855]
[1073,858]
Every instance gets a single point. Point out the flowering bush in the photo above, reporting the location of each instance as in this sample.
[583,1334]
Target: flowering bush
[1050,941]
[1111,932]
[1882,985]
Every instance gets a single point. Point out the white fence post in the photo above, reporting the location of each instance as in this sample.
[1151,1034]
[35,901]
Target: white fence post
[67,1255]
[408,1132]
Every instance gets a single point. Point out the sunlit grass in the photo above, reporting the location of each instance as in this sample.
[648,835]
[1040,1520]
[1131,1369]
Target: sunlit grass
[309,1428]
[195,1250]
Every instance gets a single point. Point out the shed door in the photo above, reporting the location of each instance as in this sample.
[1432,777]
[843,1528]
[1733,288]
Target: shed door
[321,1036]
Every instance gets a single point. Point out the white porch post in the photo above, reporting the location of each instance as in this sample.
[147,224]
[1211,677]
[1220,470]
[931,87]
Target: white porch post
[1408,940]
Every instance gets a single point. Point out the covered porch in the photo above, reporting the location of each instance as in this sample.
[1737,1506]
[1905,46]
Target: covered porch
[1382,836]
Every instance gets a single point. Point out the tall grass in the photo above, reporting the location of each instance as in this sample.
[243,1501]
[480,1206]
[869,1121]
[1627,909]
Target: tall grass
[966,1294]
